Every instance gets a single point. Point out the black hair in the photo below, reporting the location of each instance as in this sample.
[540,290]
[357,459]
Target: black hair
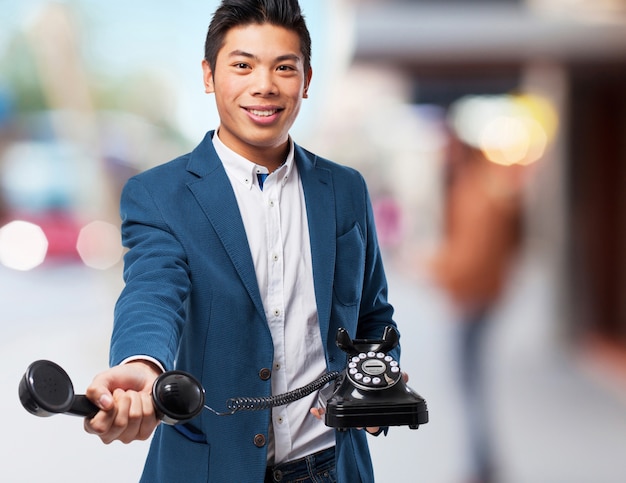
[237,13]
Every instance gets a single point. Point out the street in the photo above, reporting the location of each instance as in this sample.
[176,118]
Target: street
[555,422]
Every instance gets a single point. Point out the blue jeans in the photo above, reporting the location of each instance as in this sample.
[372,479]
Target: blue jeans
[315,468]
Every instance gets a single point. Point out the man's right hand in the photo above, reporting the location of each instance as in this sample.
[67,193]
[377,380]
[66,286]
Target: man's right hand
[124,396]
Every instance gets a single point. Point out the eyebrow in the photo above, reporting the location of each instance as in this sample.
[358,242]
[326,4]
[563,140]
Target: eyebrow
[280,58]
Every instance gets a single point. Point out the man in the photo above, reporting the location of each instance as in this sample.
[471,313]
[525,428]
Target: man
[473,267]
[243,279]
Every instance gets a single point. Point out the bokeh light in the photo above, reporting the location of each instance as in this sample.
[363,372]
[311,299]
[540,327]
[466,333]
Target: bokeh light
[99,245]
[508,129]
[23,245]
[509,140]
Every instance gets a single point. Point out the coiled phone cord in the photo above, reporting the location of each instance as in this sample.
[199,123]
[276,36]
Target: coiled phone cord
[258,403]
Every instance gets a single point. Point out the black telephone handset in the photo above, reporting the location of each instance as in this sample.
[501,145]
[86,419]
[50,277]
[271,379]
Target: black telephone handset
[46,389]
[371,392]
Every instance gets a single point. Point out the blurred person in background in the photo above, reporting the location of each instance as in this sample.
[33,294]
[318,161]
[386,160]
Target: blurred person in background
[482,237]
[245,257]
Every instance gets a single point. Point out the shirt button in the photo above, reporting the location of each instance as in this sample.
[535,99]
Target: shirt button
[271,203]
[279,420]
[275,258]
[259,440]
[276,312]
[265,374]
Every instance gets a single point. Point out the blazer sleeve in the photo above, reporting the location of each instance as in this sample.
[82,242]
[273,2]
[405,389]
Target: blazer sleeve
[150,310]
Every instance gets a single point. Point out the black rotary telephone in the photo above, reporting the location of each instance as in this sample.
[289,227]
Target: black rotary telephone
[369,392]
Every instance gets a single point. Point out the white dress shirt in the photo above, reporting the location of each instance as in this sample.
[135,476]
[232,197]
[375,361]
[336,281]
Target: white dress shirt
[277,229]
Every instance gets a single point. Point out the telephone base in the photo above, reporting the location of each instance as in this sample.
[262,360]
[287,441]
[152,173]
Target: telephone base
[358,409]
[344,416]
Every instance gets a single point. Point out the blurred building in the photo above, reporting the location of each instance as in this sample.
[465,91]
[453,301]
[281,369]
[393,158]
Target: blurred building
[574,54]
[69,139]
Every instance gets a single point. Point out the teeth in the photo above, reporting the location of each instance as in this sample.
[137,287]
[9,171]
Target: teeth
[263,113]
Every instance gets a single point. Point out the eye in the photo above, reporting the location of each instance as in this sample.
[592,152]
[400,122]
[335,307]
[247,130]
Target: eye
[286,68]
[241,65]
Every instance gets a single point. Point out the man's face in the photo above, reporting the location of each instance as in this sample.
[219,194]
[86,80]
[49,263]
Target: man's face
[259,83]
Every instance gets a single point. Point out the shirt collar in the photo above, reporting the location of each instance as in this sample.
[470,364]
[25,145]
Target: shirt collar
[245,170]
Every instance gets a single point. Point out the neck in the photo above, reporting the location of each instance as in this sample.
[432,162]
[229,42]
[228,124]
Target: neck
[271,157]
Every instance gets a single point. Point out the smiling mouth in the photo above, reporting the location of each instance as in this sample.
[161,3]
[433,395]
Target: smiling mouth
[263,113]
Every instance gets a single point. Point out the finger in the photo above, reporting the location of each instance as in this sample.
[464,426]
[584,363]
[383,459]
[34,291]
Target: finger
[100,395]
[100,423]
[100,391]
[135,420]
[130,428]
[108,425]
[318,412]
[119,423]
[149,420]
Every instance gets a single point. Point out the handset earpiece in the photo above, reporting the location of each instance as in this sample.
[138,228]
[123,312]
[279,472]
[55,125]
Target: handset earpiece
[46,389]
[177,397]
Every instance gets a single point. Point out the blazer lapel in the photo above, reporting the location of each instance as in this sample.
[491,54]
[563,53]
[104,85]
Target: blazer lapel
[217,200]
[320,207]
[215,196]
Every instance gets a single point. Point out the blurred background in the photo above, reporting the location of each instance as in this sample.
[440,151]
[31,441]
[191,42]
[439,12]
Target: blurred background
[492,135]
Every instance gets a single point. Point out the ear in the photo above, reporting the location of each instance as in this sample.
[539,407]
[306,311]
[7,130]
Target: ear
[207,75]
[307,84]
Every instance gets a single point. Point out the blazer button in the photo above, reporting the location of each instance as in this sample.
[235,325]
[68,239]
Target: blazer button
[265,374]
[259,440]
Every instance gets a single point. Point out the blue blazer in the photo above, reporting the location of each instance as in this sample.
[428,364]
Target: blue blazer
[191,301]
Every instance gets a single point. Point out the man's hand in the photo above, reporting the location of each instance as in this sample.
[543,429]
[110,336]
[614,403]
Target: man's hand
[123,394]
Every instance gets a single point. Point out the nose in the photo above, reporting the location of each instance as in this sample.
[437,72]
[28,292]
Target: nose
[263,83]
